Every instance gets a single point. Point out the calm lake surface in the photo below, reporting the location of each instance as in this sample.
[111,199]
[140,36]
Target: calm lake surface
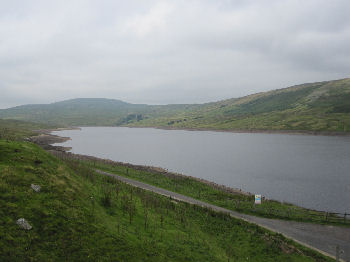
[310,171]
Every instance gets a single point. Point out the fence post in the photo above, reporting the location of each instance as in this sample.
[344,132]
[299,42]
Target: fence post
[345,217]
[338,252]
[326,216]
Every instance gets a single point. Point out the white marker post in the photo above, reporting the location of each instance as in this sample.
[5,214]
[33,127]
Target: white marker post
[257,199]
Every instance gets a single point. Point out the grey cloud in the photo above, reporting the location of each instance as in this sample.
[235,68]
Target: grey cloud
[167,51]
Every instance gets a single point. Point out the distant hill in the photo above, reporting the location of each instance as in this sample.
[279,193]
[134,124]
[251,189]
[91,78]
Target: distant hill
[87,112]
[74,112]
[321,106]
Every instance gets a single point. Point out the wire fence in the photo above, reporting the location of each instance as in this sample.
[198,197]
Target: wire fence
[305,215]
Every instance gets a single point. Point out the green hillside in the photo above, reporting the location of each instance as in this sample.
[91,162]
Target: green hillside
[322,106]
[74,112]
[88,112]
[82,216]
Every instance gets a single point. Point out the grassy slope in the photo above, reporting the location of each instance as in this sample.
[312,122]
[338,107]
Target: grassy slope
[321,106]
[79,216]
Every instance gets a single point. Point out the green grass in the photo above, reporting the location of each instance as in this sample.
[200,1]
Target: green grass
[82,216]
[211,194]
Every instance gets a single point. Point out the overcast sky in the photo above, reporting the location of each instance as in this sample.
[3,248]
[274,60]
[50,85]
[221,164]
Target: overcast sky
[159,52]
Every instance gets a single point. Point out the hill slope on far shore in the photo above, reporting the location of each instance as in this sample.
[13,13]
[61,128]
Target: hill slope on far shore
[321,106]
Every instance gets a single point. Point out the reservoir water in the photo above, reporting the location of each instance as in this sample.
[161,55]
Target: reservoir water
[310,171]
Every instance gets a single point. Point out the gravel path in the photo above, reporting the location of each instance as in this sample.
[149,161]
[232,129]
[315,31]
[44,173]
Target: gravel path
[319,237]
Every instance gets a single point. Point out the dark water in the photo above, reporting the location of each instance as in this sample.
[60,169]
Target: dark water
[310,171]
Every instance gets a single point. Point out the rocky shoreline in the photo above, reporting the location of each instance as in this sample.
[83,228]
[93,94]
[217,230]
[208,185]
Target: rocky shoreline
[45,139]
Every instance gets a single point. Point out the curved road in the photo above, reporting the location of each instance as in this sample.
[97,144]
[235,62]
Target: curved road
[322,238]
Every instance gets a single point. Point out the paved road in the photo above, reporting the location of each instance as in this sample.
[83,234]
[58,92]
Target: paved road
[319,237]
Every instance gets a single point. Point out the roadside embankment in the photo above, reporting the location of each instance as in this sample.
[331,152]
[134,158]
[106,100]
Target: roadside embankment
[321,238]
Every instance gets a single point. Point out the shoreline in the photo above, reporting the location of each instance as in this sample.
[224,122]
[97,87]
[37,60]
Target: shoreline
[250,131]
[237,131]
[46,140]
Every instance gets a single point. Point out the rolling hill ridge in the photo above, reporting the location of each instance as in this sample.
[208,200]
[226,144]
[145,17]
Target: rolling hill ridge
[320,106]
